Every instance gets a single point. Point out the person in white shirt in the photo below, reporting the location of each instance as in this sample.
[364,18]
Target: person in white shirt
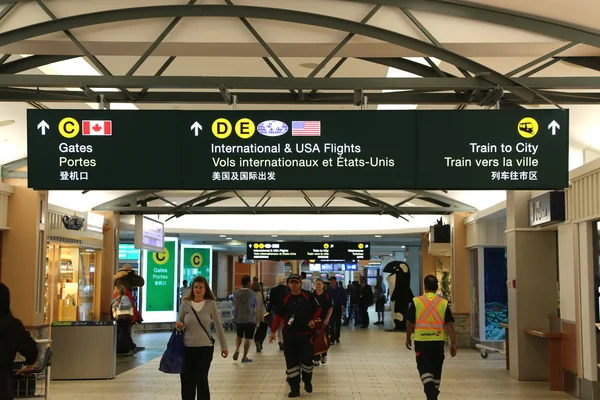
[306,283]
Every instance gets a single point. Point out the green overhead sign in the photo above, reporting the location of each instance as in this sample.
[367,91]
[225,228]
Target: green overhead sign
[160,278]
[496,149]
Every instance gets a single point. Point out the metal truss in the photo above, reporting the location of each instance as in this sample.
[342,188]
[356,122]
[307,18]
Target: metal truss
[138,203]
[129,14]
[430,90]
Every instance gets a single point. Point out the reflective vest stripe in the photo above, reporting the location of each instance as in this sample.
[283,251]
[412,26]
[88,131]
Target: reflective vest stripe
[422,322]
[430,307]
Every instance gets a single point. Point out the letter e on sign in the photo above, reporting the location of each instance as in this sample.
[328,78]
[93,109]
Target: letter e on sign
[245,128]
[161,258]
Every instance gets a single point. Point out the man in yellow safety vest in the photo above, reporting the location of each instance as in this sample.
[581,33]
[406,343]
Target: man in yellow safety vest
[430,318]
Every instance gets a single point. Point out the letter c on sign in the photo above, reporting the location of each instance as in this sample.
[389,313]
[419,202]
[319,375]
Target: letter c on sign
[196,260]
[68,127]
[161,258]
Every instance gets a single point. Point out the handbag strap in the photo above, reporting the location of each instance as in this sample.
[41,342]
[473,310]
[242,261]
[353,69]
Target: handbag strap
[200,322]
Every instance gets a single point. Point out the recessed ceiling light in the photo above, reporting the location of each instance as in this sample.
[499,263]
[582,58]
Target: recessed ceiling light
[391,255]
[309,65]
[229,239]
[325,235]
[273,235]
[377,235]
[222,235]
[280,240]
[6,122]
[402,247]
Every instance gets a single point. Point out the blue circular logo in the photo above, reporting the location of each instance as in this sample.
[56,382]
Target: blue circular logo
[272,128]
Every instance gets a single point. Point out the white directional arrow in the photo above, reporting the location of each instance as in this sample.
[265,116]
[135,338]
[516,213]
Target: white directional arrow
[43,126]
[554,126]
[195,127]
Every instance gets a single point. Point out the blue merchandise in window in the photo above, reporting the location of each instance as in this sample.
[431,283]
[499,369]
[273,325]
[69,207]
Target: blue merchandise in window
[495,292]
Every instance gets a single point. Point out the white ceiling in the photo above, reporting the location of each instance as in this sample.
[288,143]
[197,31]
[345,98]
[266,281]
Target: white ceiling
[224,47]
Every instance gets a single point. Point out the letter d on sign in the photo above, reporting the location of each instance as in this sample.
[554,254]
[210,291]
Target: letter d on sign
[221,128]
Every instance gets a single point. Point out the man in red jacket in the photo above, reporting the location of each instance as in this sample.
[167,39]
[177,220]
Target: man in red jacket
[298,314]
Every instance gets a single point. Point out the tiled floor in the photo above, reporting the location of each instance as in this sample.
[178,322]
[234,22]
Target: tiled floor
[368,364]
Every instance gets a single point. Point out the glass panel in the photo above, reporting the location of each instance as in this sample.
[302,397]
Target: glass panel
[87,270]
[496,292]
[474,263]
[67,293]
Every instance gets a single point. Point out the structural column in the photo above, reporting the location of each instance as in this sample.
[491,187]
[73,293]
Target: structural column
[109,261]
[532,291]
[24,257]
[461,280]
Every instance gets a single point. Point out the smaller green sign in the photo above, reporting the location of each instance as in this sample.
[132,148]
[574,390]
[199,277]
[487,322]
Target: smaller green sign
[160,279]
[128,252]
[196,262]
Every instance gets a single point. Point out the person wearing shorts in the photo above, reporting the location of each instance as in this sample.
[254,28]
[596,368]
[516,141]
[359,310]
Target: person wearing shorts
[245,303]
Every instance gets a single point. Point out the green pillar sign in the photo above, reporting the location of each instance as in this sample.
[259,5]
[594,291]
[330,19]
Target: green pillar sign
[197,261]
[160,280]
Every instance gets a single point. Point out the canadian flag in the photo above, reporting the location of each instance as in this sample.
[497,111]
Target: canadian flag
[97,128]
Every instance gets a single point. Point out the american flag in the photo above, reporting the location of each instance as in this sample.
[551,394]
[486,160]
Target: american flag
[306,128]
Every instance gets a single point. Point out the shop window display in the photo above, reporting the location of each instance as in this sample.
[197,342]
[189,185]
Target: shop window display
[70,281]
[495,292]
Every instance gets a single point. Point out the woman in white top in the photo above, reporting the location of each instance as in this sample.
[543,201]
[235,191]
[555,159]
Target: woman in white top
[197,311]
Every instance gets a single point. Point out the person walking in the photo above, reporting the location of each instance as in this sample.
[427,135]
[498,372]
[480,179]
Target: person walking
[197,311]
[122,312]
[259,317]
[365,301]
[338,305]
[15,339]
[431,331]
[380,300]
[245,303]
[298,314]
[324,300]
[276,296]
[306,282]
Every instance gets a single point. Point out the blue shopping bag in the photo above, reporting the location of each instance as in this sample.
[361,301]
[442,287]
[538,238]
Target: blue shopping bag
[173,359]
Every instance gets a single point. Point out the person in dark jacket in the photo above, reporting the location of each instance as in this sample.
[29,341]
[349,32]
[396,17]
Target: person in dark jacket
[365,301]
[276,296]
[13,339]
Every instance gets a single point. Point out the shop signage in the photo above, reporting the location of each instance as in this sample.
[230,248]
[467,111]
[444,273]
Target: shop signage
[128,252]
[196,261]
[320,252]
[292,149]
[160,278]
[149,233]
[547,208]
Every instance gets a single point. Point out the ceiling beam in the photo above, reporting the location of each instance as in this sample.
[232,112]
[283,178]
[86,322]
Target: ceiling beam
[283,210]
[28,63]
[458,205]
[276,83]
[406,65]
[263,97]
[123,200]
[284,15]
